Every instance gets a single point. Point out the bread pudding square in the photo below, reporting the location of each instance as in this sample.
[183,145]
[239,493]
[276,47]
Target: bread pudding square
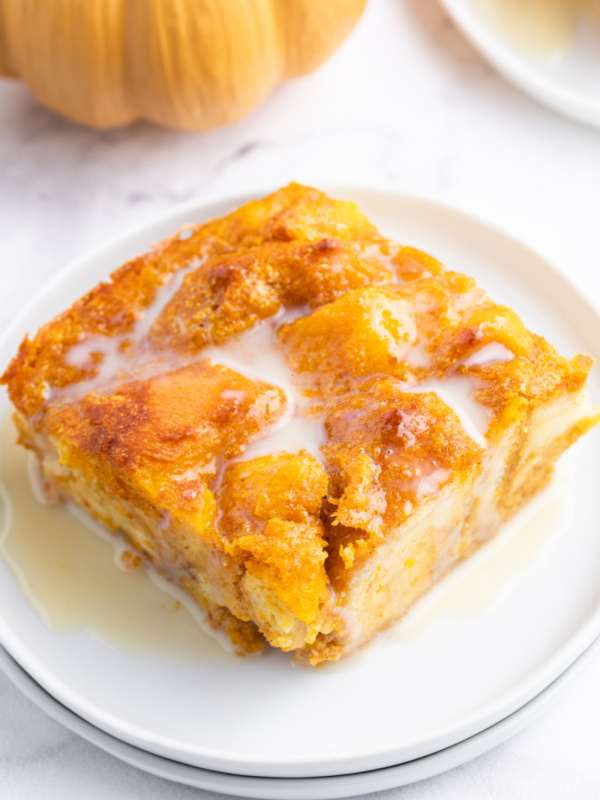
[301,423]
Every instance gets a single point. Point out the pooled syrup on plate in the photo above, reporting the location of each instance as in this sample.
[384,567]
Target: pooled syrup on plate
[539,28]
[67,573]
[482,581]
[485,577]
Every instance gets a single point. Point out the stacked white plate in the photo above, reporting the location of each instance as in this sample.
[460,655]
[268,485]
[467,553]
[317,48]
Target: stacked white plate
[324,788]
[473,664]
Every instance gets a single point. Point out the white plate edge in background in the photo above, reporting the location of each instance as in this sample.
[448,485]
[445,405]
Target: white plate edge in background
[516,69]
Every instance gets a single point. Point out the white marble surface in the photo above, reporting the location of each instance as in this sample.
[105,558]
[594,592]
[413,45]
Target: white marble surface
[406,103]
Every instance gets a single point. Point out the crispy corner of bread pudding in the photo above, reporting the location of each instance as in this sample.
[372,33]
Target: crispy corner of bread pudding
[301,423]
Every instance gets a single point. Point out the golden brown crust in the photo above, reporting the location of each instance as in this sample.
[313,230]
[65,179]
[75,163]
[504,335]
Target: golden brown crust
[168,433]
[270,520]
[231,293]
[297,225]
[387,452]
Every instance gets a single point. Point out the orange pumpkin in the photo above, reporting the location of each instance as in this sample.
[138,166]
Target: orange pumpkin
[191,64]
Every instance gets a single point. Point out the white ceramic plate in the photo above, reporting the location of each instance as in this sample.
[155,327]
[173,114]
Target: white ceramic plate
[328,788]
[406,697]
[569,84]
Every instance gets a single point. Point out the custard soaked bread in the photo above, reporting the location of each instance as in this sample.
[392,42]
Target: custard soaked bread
[301,423]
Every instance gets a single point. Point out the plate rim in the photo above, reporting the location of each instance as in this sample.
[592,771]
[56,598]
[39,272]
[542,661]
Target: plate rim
[516,69]
[334,787]
[221,760]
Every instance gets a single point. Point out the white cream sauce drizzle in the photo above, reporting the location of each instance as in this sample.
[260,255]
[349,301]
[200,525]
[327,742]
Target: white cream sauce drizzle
[163,297]
[493,353]
[115,351]
[257,354]
[429,484]
[456,391]
[186,233]
[374,251]
[112,363]
[417,356]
